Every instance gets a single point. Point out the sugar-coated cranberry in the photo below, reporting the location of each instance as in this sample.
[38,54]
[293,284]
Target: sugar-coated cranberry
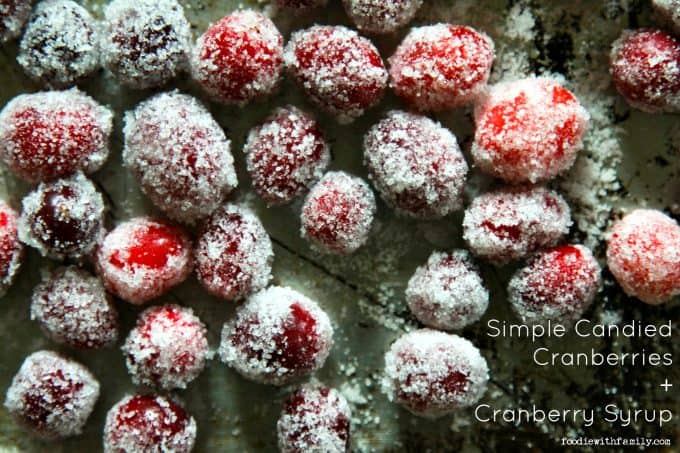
[558,285]
[379,16]
[668,13]
[645,67]
[239,58]
[643,253]
[509,224]
[340,71]
[179,155]
[60,46]
[433,373]
[233,253]
[52,134]
[146,42]
[52,396]
[528,130]
[143,258]
[13,16]
[286,155]
[441,66]
[152,424]
[314,418]
[300,4]
[447,292]
[338,213]
[11,249]
[73,308]
[277,336]
[416,165]
[167,348]
[63,219]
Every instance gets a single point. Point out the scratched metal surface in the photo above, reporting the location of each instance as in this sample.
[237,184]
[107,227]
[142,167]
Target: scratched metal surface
[363,294]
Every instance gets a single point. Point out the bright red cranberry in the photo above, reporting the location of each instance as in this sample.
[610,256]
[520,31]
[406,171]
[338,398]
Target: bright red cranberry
[447,292]
[53,134]
[341,72]
[52,396]
[528,130]
[179,155]
[233,253]
[167,348]
[379,16]
[314,418]
[286,155]
[338,213]
[433,373]
[643,253]
[558,285]
[13,16]
[441,66]
[277,337]
[511,223]
[645,67]
[150,424]
[73,308]
[143,258]
[239,58]
[416,165]
[63,219]
[60,46]
[146,42]
[11,249]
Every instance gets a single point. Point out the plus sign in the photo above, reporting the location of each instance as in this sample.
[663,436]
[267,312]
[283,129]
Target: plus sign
[666,385]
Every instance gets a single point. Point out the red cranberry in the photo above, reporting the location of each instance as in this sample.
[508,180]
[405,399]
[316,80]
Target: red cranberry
[150,424]
[143,258]
[53,134]
[433,373]
[379,16]
[52,396]
[314,418]
[340,71]
[277,337]
[557,285]
[233,253]
[11,249]
[239,58]
[73,308]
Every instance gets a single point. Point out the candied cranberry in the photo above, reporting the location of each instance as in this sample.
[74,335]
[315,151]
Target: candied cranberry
[433,373]
[73,308]
[143,258]
[528,130]
[179,155]
[148,423]
[338,213]
[441,66]
[643,253]
[508,224]
[11,249]
[52,134]
[167,348]
[239,58]
[233,253]
[63,219]
[340,71]
[146,42]
[668,12]
[13,16]
[60,46]
[286,155]
[447,292]
[52,396]
[416,165]
[557,285]
[314,418]
[645,66]
[379,16]
[277,337]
